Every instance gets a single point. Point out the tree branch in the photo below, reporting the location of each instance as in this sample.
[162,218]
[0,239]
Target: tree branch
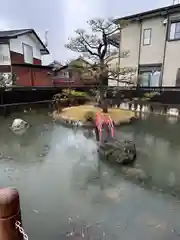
[95,46]
[104,51]
[81,44]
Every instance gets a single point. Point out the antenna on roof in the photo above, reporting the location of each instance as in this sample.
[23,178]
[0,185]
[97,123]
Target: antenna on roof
[46,37]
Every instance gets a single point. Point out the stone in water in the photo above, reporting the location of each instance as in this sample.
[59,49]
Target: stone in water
[19,126]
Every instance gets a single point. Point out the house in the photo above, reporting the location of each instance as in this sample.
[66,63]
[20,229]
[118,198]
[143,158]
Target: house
[55,65]
[20,54]
[153,41]
[77,73]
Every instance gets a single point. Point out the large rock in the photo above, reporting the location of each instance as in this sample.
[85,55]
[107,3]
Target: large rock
[19,126]
[115,151]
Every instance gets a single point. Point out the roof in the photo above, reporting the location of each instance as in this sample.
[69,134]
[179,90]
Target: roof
[18,32]
[60,68]
[80,59]
[164,11]
[55,63]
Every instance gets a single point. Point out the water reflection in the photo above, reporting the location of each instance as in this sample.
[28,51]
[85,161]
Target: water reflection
[158,145]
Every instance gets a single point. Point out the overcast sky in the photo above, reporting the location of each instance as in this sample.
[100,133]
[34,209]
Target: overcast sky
[62,17]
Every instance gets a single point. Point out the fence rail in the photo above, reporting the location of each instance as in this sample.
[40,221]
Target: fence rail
[27,95]
[61,86]
[25,103]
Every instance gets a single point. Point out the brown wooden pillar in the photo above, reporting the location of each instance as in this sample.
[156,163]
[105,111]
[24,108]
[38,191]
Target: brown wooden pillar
[10,213]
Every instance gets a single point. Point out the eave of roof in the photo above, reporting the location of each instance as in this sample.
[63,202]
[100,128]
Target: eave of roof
[164,11]
[61,68]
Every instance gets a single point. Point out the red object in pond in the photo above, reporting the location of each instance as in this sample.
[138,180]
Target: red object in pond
[110,124]
[104,120]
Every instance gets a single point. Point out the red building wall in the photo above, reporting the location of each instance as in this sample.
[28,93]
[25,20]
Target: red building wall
[5,68]
[41,77]
[16,57]
[28,74]
[31,76]
[19,58]
[23,76]
[36,61]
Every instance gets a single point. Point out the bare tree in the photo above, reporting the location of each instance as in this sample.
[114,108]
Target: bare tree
[94,46]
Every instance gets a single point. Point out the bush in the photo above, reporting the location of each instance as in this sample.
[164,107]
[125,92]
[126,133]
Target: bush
[151,94]
[70,97]
[90,116]
[74,93]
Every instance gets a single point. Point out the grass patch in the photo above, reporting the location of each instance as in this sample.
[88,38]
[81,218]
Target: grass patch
[81,112]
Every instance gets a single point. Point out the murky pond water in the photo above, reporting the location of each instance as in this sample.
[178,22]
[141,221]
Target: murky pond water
[59,177]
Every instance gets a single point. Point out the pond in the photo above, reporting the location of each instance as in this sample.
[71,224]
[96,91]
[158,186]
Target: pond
[60,178]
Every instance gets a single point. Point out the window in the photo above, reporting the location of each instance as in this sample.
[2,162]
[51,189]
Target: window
[66,74]
[28,53]
[155,79]
[144,79]
[150,79]
[174,31]
[147,36]
[61,74]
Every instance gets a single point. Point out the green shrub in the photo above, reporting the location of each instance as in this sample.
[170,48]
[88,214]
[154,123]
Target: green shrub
[151,94]
[74,93]
[72,97]
[79,94]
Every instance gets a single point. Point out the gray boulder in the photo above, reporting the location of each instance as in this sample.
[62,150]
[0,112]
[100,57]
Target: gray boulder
[115,151]
[19,126]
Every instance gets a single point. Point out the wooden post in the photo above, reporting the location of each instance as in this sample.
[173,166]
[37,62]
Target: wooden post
[9,214]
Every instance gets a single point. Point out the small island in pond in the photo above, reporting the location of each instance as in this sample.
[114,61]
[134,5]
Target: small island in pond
[86,114]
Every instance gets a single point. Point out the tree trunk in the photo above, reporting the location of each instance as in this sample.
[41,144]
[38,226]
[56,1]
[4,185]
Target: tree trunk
[103,75]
